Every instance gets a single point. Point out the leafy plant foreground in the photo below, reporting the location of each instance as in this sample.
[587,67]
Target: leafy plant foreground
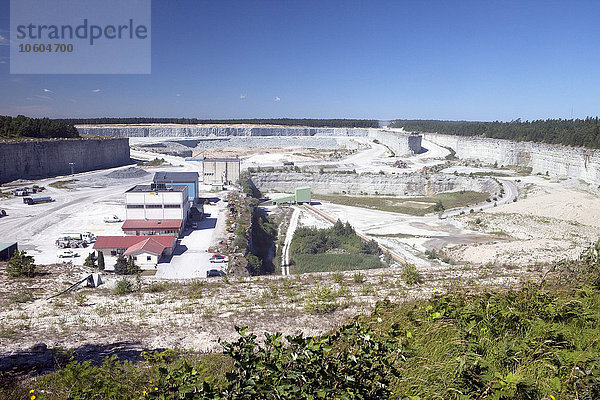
[538,341]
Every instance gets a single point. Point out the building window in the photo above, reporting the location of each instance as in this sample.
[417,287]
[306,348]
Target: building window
[172,205]
[134,258]
[135,206]
[148,258]
[153,205]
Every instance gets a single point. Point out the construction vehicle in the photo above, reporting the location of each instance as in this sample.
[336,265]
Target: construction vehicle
[75,240]
[37,200]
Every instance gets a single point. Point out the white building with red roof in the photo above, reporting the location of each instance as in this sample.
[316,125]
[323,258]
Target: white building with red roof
[142,227]
[147,251]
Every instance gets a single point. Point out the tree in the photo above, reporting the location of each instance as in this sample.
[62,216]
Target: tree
[121,265]
[90,262]
[100,261]
[21,265]
[132,269]
[370,247]
[254,264]
[438,206]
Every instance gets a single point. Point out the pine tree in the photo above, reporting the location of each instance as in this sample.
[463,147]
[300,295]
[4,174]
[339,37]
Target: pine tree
[101,261]
[90,262]
[21,265]
[132,269]
[121,267]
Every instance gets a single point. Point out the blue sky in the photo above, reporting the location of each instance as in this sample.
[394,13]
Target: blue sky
[458,60]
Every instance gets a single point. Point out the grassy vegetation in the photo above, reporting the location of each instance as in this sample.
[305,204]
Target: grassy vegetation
[156,162]
[537,341]
[408,205]
[63,184]
[305,263]
[335,249]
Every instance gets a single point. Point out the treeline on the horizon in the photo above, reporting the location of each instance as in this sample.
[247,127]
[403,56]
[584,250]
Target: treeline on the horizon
[569,132]
[313,123]
[25,127]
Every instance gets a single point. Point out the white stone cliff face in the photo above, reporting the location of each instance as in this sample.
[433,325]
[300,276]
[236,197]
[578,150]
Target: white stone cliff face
[202,131]
[558,161]
[403,144]
[412,184]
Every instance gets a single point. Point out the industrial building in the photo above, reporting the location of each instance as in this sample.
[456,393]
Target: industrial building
[301,195]
[220,170]
[145,227]
[7,250]
[146,251]
[157,201]
[190,179]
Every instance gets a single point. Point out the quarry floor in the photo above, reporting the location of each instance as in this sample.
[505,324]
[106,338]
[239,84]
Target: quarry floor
[498,247]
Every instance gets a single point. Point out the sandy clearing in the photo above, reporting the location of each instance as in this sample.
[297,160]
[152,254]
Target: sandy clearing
[557,202]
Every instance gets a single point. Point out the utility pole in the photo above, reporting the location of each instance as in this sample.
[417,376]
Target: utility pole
[72,169]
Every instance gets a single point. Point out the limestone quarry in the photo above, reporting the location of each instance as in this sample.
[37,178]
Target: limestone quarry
[509,211]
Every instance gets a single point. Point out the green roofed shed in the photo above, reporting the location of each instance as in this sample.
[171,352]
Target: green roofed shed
[301,195]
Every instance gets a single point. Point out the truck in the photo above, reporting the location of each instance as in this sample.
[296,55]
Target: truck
[75,240]
[37,200]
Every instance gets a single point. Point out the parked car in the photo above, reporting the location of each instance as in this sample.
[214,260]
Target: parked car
[214,272]
[66,253]
[112,218]
[218,258]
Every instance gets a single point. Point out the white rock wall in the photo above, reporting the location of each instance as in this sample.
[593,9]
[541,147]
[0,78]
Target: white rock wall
[558,161]
[417,184]
[201,131]
[403,144]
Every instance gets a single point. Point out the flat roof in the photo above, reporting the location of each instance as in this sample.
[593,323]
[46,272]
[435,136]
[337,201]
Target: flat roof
[162,224]
[125,242]
[150,188]
[162,177]
[221,159]
[4,246]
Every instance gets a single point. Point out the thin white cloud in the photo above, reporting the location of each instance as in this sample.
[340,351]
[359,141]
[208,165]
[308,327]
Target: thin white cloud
[39,96]
[2,62]
[178,95]
[47,91]
[277,99]
[96,90]
[4,41]
[243,96]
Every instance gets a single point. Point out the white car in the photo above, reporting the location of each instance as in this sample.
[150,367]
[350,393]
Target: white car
[65,253]
[112,218]
[217,258]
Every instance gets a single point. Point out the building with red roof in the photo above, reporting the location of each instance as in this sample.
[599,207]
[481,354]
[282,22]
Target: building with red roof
[146,251]
[142,227]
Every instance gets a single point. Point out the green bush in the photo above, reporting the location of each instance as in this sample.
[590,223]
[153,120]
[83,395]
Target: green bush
[126,266]
[21,265]
[123,287]
[90,262]
[306,263]
[321,300]
[410,274]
